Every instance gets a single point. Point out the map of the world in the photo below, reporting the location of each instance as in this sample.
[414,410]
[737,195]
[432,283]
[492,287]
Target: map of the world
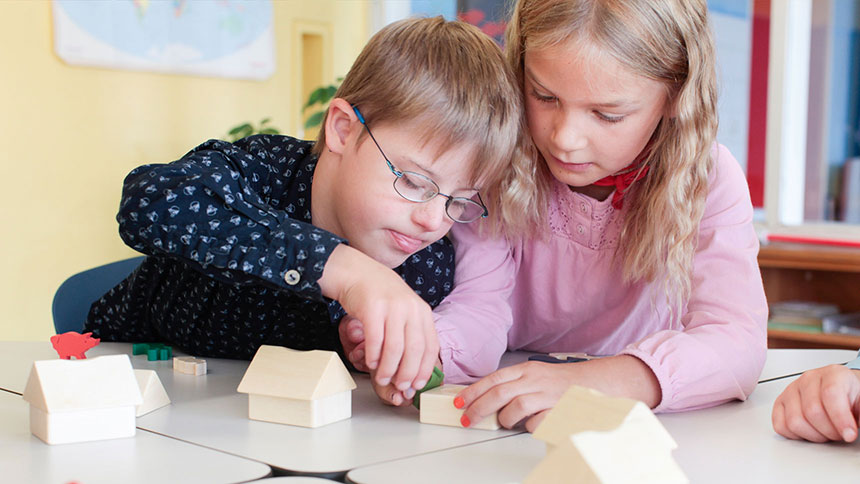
[225,38]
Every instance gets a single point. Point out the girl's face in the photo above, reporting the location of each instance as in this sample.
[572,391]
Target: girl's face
[588,115]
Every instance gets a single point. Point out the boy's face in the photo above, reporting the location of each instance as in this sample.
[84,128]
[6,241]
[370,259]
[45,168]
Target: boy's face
[370,213]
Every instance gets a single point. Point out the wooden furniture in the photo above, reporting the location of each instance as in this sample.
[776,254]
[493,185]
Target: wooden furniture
[816,273]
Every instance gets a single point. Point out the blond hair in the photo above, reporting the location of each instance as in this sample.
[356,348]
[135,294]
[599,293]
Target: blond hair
[449,77]
[664,40]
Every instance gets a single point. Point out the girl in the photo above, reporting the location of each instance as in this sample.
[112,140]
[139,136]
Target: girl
[626,230]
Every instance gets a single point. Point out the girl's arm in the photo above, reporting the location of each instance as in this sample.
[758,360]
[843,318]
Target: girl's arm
[472,322]
[719,352]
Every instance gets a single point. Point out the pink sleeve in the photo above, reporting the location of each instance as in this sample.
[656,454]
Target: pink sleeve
[719,354]
[473,321]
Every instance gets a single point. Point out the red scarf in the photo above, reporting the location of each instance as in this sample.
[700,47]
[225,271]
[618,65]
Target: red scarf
[622,181]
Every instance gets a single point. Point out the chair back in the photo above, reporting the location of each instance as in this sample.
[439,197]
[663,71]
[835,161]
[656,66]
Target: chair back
[74,297]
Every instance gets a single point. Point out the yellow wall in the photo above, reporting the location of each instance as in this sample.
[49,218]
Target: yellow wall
[68,136]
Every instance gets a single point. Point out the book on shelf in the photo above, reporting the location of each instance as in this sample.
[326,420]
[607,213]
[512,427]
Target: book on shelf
[804,316]
[842,324]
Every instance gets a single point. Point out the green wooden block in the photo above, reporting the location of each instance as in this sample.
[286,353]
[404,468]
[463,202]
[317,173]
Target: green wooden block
[436,379]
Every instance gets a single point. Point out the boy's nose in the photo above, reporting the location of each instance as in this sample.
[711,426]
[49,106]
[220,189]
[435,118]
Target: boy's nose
[430,215]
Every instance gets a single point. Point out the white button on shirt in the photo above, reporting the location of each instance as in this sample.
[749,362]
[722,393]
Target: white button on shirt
[292,277]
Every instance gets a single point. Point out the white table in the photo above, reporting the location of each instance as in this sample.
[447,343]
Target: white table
[731,443]
[785,362]
[144,458]
[207,410]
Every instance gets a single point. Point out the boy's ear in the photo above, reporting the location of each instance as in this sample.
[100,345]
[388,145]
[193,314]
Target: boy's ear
[339,124]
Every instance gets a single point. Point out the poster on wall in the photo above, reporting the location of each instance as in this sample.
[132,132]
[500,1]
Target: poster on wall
[217,38]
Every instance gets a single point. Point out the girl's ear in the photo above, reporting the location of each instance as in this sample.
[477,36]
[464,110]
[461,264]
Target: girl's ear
[340,122]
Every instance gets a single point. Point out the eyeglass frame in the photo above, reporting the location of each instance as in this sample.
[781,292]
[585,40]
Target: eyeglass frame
[399,174]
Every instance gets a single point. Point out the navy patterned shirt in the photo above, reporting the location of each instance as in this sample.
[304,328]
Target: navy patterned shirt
[234,259]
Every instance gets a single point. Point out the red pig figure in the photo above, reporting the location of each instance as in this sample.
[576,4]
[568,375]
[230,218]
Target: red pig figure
[73,344]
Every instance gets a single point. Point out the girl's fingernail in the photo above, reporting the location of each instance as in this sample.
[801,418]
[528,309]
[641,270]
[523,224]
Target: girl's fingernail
[356,334]
[848,435]
[359,355]
[460,403]
[402,386]
[420,384]
[410,392]
[464,421]
[384,381]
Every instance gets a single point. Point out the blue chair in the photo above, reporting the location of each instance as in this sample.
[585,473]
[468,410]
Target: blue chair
[75,296]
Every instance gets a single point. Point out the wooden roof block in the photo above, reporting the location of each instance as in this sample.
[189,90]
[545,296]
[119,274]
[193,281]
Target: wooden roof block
[94,383]
[582,409]
[307,375]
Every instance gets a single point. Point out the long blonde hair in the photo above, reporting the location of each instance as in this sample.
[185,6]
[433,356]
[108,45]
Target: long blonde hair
[664,40]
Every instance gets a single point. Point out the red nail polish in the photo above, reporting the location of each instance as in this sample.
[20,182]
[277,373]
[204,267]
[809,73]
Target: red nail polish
[459,402]
[464,421]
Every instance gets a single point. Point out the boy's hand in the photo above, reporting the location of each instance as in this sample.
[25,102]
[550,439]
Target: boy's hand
[351,333]
[390,395]
[400,336]
[822,405]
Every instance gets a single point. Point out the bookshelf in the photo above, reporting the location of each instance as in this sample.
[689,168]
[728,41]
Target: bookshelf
[811,272]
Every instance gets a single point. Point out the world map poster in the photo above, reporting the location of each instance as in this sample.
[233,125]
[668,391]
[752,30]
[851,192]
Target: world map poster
[218,38]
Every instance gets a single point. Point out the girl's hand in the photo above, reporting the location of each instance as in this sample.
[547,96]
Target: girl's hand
[520,392]
[525,392]
[823,404]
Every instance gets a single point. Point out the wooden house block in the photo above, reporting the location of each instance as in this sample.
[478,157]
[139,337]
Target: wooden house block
[305,388]
[82,400]
[437,407]
[152,391]
[593,438]
[189,365]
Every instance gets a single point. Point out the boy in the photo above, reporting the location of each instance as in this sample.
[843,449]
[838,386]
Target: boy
[267,242]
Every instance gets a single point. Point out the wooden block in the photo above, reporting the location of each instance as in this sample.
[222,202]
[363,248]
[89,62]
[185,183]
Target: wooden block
[437,407]
[594,438]
[152,391]
[306,388]
[304,413]
[189,365]
[82,400]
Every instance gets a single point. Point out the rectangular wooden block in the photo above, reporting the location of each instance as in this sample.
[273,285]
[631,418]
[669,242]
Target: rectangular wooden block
[437,407]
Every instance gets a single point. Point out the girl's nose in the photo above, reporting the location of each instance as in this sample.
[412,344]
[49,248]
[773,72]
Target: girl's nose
[567,133]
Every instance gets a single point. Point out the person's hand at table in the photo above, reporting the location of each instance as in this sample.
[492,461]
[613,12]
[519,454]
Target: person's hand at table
[822,405]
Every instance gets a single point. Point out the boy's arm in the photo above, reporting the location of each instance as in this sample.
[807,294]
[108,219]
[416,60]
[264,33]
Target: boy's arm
[215,209]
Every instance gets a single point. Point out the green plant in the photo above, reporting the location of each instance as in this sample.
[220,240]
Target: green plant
[247,129]
[319,99]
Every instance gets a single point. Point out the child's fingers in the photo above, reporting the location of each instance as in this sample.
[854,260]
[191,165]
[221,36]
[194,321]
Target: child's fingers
[837,403]
[354,330]
[779,422]
[533,422]
[812,408]
[356,357]
[428,361]
[374,331]
[489,394]
[392,349]
[796,422]
[413,353]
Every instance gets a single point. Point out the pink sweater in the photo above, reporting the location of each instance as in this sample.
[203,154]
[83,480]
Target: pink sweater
[563,294]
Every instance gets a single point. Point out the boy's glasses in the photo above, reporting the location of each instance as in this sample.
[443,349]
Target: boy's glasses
[416,187]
